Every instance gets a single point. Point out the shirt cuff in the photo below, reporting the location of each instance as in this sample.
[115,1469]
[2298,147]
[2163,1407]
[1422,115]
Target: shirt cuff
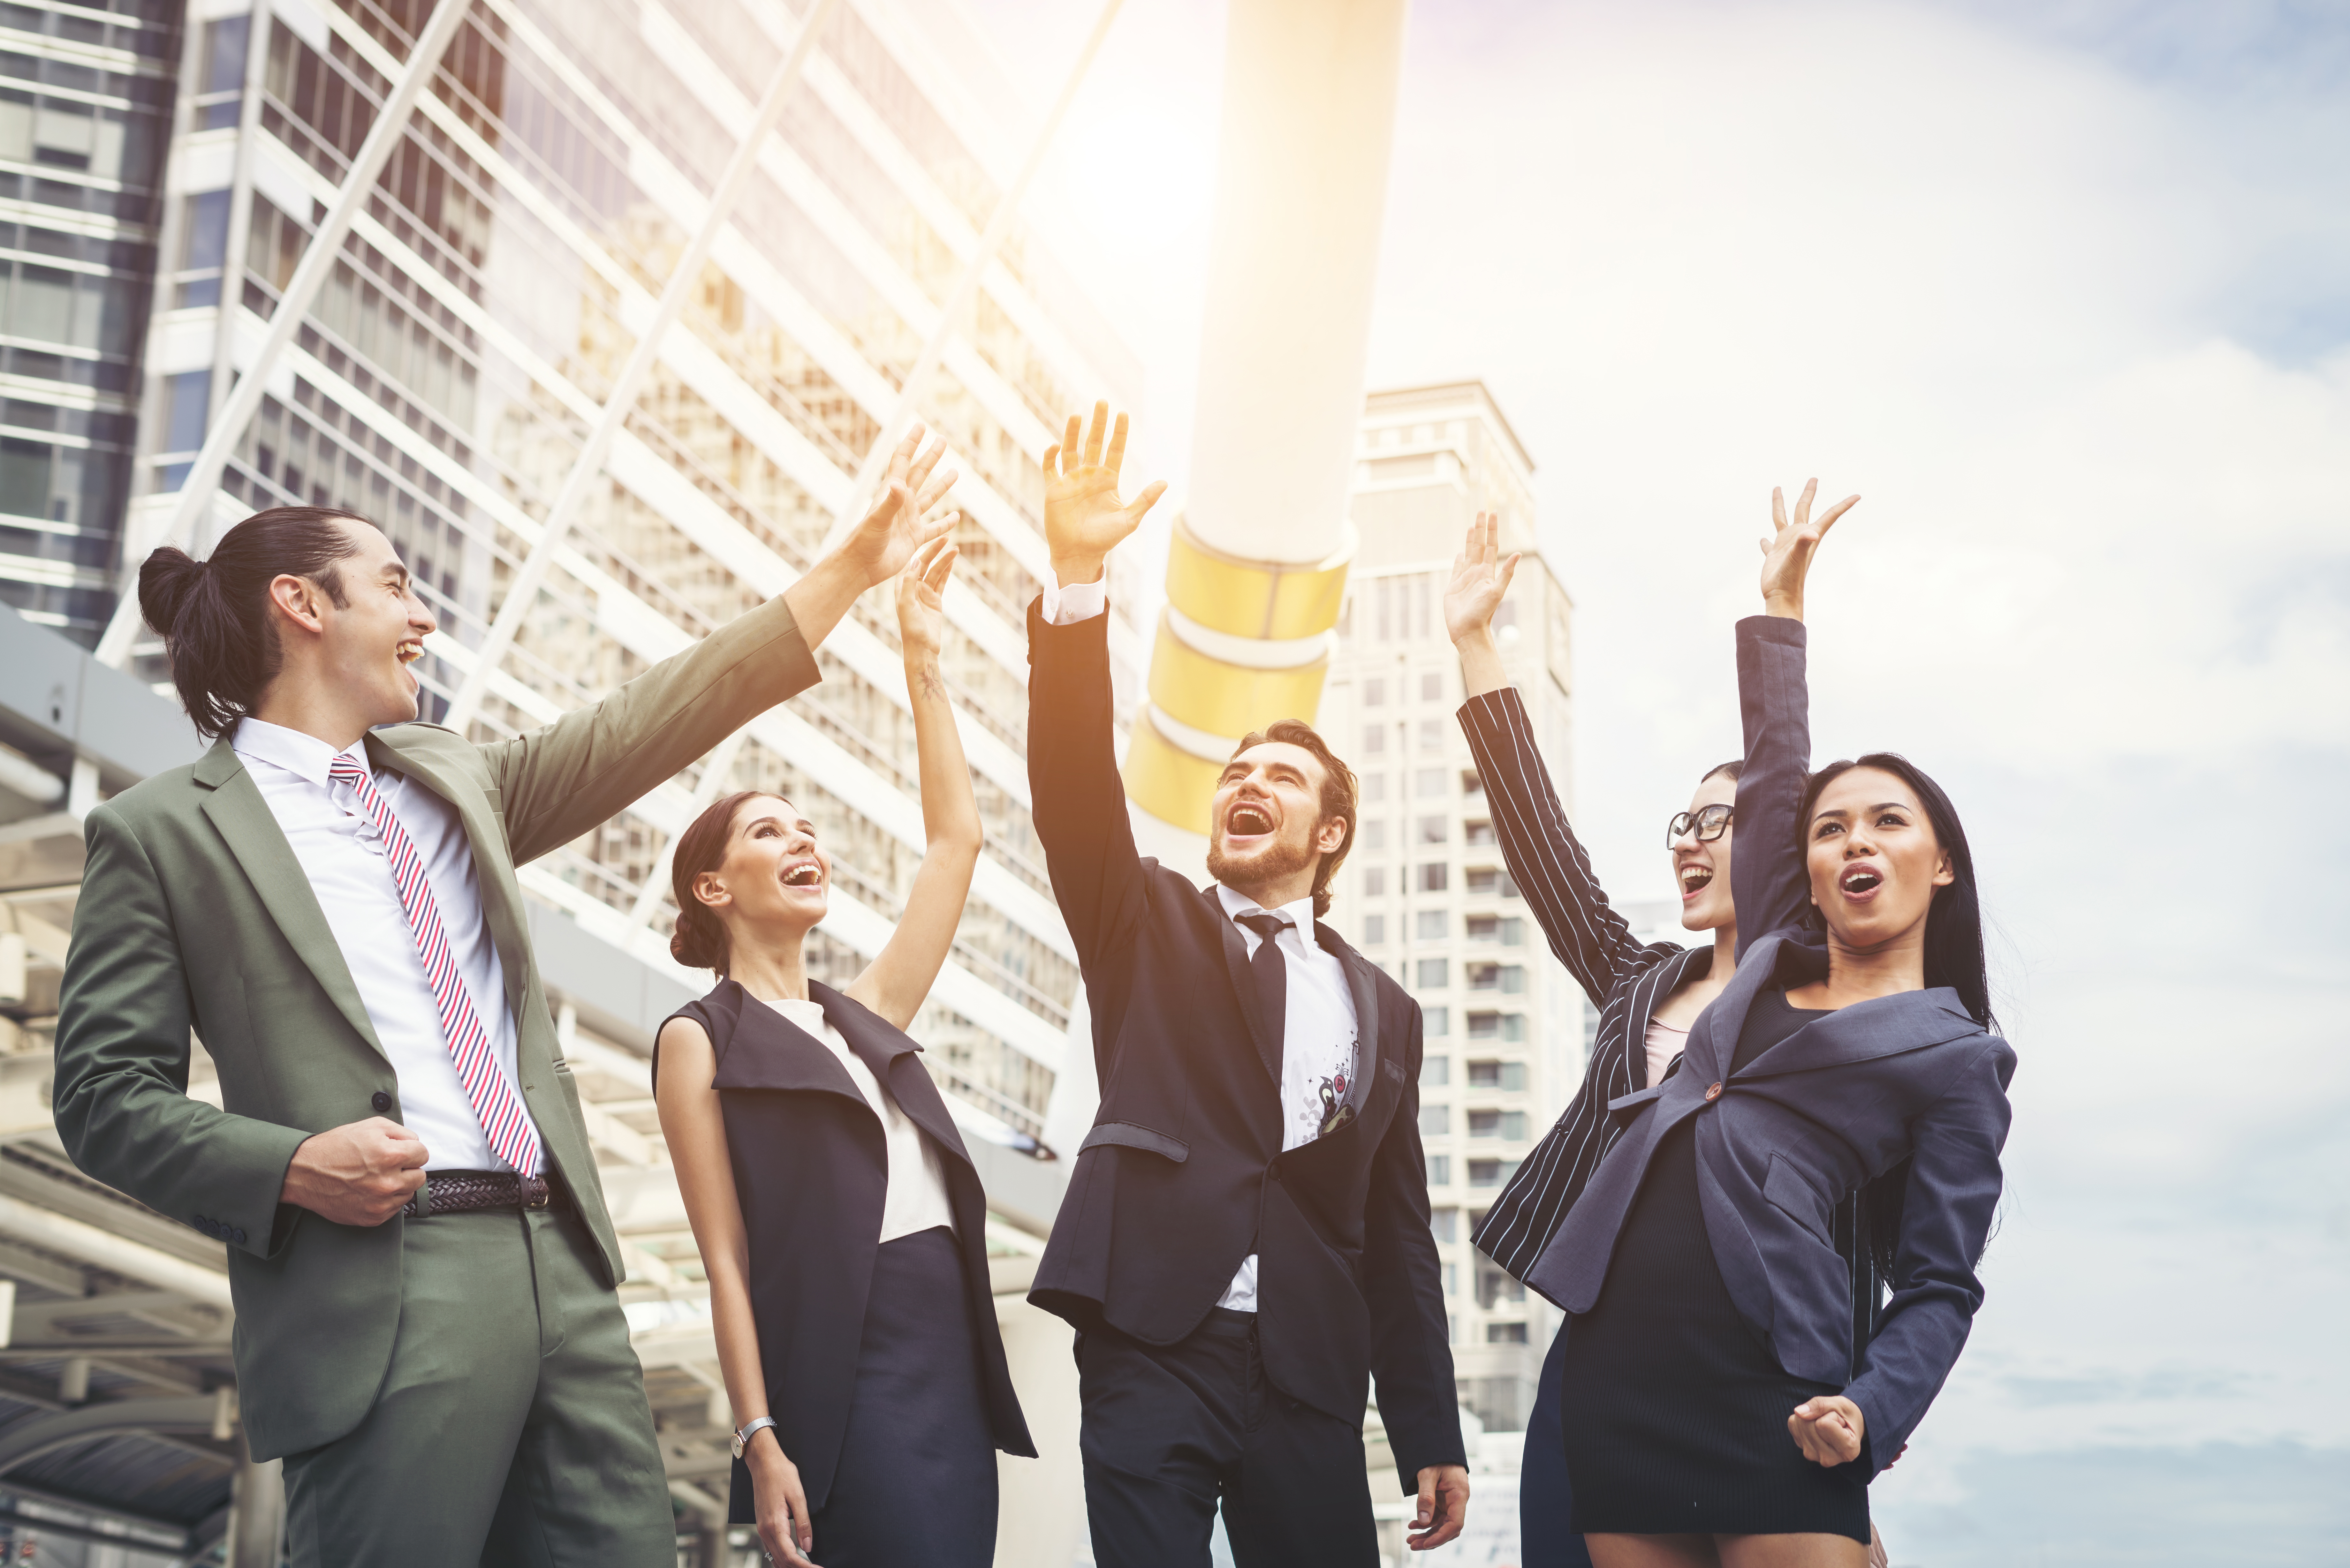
[1077,602]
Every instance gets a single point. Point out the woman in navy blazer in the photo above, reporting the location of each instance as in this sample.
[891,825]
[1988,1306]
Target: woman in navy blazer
[1719,1413]
[840,1220]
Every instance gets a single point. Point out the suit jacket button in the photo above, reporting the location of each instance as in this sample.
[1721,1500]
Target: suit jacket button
[1714,1092]
[239,1238]
[1274,1171]
[381,1101]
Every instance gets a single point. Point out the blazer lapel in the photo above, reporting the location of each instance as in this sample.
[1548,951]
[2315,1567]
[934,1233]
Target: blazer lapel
[1653,988]
[1882,1026]
[1714,1038]
[771,1052]
[243,818]
[492,860]
[888,1052]
[1236,960]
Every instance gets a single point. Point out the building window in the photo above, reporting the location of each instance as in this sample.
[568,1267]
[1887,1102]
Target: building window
[1451,1279]
[1375,692]
[1432,734]
[1431,974]
[1505,1334]
[1374,882]
[1431,686]
[1375,930]
[1374,788]
[1471,786]
[1431,783]
[1435,1072]
[1429,925]
[1483,879]
[1444,1225]
[1484,1026]
[1374,739]
[1490,1172]
[1513,1026]
[1509,979]
[1375,834]
[1436,1023]
[183,421]
[1483,928]
[1435,1121]
[1513,932]
[1509,888]
[1495,1287]
[1497,1075]
[1439,1169]
[1476,835]
[1431,829]
[1434,876]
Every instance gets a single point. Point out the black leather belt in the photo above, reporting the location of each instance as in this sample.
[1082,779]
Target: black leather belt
[468,1191]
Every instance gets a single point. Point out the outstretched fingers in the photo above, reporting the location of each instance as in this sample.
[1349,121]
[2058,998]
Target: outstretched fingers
[1143,503]
[1115,457]
[1804,502]
[1827,519]
[1094,433]
[941,565]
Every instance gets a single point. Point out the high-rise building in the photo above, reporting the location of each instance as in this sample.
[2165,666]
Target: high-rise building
[84,112]
[443,382]
[1424,892]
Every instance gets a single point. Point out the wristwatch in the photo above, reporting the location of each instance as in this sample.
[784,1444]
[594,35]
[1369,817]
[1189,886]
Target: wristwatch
[750,1430]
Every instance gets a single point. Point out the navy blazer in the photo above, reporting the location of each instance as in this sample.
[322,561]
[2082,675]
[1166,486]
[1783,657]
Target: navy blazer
[811,1168]
[1783,1140]
[1183,1174]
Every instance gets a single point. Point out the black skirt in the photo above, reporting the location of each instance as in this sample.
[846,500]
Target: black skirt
[915,1486]
[1676,1412]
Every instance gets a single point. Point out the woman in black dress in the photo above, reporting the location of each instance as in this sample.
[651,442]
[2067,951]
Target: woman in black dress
[841,1224]
[1720,1411]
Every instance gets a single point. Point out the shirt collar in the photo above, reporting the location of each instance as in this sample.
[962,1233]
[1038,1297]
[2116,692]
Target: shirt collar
[303,755]
[1300,912]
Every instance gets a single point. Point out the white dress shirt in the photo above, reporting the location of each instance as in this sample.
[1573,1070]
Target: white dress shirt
[1319,1033]
[342,853]
[916,1197]
[1317,1041]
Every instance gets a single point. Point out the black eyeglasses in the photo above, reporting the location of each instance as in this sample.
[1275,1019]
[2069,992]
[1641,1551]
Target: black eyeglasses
[1709,823]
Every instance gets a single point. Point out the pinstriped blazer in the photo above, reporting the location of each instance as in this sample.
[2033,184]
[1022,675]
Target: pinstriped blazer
[1625,979]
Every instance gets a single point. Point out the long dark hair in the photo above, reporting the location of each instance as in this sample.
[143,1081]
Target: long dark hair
[700,939]
[1954,957]
[214,613]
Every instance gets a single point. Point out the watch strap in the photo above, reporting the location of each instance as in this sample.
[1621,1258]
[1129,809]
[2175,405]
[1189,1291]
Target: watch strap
[750,1430]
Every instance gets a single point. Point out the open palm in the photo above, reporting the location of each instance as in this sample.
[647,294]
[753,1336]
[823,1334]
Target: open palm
[1787,553]
[902,520]
[1083,518]
[1479,579]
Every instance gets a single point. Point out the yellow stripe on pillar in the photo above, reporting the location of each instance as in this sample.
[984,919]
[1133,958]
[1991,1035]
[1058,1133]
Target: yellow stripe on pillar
[1167,780]
[1264,599]
[1222,699]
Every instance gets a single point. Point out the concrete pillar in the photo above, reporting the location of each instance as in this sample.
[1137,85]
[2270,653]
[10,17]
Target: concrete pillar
[1257,569]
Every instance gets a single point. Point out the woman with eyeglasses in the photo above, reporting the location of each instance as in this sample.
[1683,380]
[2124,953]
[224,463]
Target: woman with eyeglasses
[1648,994]
[1726,1411]
[840,1220]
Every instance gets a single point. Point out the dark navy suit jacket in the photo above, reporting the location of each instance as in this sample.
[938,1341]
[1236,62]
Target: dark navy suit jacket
[1783,1140]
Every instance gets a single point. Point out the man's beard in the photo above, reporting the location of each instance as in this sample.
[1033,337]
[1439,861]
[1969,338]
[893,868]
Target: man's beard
[1270,865]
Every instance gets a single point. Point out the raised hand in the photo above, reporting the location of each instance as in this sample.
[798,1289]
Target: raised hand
[1787,553]
[1479,579]
[901,521]
[921,613]
[1084,519]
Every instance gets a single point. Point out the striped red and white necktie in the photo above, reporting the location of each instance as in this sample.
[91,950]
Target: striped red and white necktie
[512,1135]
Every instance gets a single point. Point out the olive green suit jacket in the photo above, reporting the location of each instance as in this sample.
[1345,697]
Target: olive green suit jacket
[194,914]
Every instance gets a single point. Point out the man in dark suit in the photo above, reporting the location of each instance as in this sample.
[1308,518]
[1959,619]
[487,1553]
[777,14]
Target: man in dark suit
[1244,1242]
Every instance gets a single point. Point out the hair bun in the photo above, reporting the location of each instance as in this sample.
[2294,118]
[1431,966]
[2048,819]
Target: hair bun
[699,941]
[167,580]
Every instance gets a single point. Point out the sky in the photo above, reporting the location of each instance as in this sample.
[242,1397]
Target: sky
[2061,288]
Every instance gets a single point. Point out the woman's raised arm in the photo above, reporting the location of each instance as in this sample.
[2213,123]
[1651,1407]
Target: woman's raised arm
[896,983]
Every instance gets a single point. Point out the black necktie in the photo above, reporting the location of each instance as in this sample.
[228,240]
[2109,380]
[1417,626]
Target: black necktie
[1272,971]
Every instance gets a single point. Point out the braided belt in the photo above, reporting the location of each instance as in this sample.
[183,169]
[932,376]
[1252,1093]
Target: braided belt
[467,1191]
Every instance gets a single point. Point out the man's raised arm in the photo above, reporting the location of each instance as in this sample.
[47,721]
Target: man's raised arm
[561,781]
[1079,802]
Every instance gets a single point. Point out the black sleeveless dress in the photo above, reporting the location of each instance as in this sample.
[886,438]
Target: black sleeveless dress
[884,1367]
[1675,1410]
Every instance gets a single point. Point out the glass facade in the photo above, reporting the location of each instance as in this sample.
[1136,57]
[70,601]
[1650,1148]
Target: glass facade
[1425,893]
[86,97]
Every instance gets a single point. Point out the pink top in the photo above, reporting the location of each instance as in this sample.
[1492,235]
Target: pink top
[1664,1042]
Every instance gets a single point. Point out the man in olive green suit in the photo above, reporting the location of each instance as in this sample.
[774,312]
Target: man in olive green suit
[422,1264]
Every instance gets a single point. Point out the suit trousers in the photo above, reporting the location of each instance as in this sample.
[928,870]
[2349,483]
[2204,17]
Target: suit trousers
[1168,1431]
[511,1429]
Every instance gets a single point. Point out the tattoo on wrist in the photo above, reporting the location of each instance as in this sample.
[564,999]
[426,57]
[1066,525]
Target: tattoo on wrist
[931,683]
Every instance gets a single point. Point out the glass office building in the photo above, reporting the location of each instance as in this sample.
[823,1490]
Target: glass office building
[87,95]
